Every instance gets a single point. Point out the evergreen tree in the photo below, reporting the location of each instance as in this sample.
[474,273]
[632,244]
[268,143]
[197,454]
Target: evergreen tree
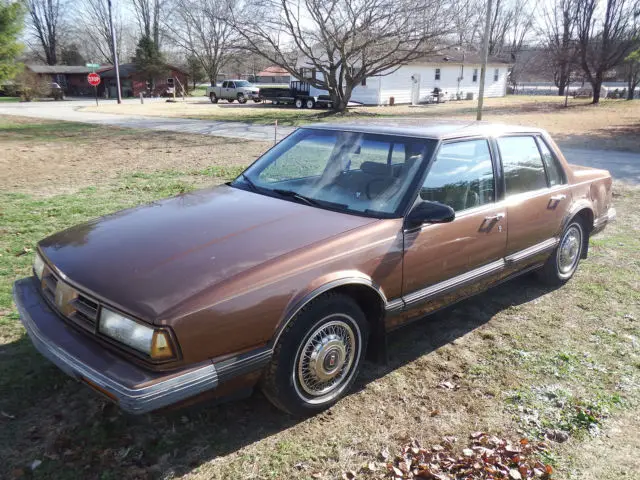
[11,18]
[149,60]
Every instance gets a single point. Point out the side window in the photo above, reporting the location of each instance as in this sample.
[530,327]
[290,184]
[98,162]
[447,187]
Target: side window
[475,75]
[224,84]
[523,169]
[554,170]
[461,176]
[231,85]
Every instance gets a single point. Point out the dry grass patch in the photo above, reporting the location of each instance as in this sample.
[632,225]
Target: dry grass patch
[47,157]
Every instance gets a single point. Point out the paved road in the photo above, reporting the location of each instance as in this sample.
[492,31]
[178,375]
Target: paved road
[68,111]
[622,165]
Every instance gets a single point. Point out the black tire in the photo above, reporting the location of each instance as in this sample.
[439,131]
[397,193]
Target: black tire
[564,261]
[257,100]
[242,98]
[333,332]
[299,103]
[213,97]
[231,100]
[310,103]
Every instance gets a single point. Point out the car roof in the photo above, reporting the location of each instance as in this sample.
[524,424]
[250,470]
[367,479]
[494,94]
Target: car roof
[438,130]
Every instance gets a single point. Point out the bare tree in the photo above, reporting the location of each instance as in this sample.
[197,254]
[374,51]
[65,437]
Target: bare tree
[511,22]
[632,73]
[200,28]
[94,27]
[558,31]
[45,22]
[604,41]
[344,41]
[467,21]
[150,14]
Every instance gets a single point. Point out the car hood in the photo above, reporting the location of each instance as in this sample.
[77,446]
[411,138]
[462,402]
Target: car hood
[148,259]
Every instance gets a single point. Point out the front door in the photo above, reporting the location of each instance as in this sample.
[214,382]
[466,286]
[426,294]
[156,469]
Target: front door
[440,259]
[536,195]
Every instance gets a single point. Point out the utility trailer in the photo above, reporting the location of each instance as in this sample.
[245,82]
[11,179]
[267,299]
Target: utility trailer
[300,93]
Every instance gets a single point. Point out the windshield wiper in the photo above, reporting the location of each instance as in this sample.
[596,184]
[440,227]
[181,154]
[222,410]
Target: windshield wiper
[249,182]
[297,196]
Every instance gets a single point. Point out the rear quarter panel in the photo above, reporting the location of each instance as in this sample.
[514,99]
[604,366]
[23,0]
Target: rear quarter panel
[590,187]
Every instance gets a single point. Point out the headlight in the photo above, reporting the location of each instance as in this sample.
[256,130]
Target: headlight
[38,266]
[152,342]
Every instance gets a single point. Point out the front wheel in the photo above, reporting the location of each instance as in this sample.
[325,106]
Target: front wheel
[563,263]
[242,98]
[213,97]
[299,103]
[318,356]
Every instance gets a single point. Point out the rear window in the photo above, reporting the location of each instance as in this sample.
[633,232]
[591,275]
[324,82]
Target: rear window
[554,170]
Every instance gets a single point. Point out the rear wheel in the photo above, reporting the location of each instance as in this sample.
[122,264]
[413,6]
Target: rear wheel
[213,97]
[318,356]
[310,103]
[563,263]
[299,103]
[231,100]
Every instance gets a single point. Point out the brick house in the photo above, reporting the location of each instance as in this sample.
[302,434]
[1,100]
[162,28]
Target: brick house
[72,78]
[133,83]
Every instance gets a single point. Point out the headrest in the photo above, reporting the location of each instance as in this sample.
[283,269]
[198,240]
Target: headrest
[376,168]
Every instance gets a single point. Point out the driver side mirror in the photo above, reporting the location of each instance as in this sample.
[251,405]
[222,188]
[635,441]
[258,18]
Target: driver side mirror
[429,212]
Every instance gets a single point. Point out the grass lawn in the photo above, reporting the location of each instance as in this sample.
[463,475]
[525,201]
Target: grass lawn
[522,359]
[9,99]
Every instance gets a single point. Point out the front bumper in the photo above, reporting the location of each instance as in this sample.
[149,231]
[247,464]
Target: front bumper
[135,389]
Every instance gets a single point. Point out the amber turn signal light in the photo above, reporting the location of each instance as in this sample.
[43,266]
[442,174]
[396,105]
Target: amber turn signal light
[161,346]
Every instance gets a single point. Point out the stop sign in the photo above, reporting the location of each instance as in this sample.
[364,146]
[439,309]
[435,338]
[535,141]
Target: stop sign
[94,79]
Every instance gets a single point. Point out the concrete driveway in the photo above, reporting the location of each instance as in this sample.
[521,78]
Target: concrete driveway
[622,165]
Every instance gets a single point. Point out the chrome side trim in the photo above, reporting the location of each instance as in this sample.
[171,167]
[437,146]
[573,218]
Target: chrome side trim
[133,400]
[453,283]
[532,251]
[243,363]
[394,305]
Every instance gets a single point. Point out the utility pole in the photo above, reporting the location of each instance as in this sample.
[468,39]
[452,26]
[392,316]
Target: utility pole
[115,54]
[485,58]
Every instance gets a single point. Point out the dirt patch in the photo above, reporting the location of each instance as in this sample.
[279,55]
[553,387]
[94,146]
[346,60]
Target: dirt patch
[40,157]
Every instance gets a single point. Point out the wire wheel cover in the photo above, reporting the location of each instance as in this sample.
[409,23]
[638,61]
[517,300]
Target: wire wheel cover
[326,358]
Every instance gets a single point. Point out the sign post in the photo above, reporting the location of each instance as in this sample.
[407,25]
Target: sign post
[94,80]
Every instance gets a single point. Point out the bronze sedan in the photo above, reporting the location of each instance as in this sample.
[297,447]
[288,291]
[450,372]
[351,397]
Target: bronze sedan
[286,276]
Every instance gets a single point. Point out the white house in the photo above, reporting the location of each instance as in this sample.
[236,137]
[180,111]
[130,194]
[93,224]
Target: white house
[455,72]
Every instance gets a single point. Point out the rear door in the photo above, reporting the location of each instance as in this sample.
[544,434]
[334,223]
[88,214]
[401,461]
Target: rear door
[440,259]
[536,193]
[230,90]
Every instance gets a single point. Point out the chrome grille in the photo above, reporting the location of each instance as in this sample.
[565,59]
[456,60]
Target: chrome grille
[85,309]
[77,307]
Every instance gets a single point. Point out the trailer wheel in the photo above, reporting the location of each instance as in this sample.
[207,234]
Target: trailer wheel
[310,103]
[329,105]
[299,103]
[274,102]
[213,98]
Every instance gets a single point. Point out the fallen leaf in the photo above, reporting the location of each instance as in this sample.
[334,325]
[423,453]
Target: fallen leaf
[467,452]
[35,464]
[316,475]
[515,474]
[7,415]
[384,454]
[447,385]
[435,412]
[350,475]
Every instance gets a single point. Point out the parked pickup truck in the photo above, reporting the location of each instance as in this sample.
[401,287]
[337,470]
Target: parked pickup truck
[231,90]
[287,276]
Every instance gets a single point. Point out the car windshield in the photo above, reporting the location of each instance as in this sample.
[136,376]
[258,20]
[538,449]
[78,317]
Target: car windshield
[354,172]
[242,83]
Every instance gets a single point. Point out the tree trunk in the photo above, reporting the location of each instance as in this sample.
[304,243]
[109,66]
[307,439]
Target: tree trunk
[561,90]
[596,85]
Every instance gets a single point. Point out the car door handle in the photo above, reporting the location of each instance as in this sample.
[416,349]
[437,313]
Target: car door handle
[558,198]
[496,217]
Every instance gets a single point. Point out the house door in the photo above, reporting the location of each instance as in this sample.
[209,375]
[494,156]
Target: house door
[415,89]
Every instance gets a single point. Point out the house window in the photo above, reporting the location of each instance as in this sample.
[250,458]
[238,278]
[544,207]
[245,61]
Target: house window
[475,75]
[437,74]
[496,74]
[307,73]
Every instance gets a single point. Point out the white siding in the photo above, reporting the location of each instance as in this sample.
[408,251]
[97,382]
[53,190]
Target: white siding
[399,84]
